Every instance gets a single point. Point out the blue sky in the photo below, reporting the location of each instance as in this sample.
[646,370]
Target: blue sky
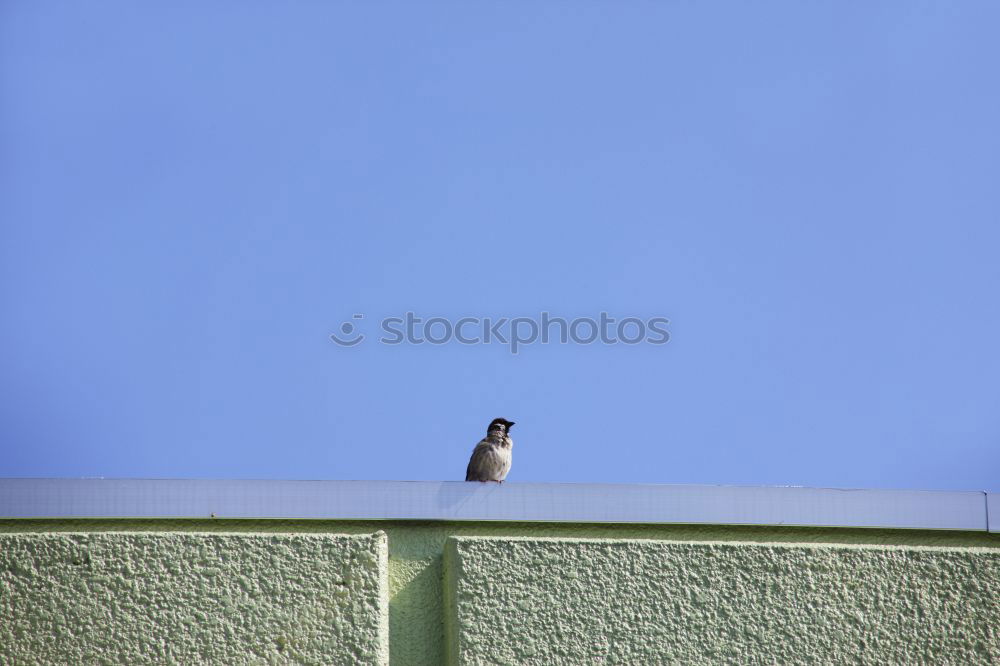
[194,196]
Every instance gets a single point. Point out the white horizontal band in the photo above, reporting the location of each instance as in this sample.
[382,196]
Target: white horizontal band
[534,502]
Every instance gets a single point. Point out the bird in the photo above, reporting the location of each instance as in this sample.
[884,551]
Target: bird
[491,458]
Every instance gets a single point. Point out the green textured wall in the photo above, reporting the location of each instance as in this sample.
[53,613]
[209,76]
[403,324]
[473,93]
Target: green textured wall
[548,601]
[306,597]
[147,598]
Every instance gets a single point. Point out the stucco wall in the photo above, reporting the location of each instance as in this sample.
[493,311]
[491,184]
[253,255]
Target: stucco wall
[149,598]
[303,579]
[548,601]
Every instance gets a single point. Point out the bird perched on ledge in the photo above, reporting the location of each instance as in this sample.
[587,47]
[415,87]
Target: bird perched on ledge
[491,458]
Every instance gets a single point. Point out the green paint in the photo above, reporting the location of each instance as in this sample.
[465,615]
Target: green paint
[415,576]
[153,598]
[546,601]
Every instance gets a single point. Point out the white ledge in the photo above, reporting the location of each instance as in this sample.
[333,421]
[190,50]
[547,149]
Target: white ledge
[515,502]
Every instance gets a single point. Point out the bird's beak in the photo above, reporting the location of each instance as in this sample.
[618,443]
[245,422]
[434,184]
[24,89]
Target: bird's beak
[510,423]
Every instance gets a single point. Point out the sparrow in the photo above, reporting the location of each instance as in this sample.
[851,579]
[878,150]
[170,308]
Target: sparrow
[491,458]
